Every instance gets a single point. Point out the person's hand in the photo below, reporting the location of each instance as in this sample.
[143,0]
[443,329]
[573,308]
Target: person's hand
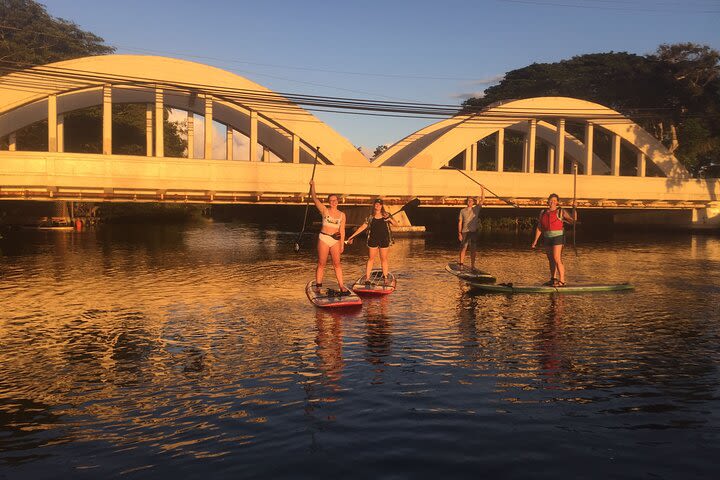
[533,245]
[348,241]
[460,236]
[312,183]
[342,247]
[386,215]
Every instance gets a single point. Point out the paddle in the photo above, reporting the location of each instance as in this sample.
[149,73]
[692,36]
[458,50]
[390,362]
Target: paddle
[575,169]
[489,191]
[415,202]
[307,203]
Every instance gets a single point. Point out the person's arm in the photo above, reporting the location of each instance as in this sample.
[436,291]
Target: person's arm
[482,196]
[342,232]
[460,225]
[390,220]
[571,218]
[318,203]
[538,232]
[357,232]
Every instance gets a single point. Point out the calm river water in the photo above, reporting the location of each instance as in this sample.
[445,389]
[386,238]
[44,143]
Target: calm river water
[192,351]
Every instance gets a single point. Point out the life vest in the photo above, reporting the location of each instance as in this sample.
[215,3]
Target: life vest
[551,221]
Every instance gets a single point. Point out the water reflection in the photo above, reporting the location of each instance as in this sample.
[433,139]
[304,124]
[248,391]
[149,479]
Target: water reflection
[149,351]
[378,337]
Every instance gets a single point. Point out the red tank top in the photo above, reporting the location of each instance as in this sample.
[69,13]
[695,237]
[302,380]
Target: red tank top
[551,221]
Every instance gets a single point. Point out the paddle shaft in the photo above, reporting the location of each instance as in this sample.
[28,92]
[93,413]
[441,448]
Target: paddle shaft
[575,169]
[307,203]
[489,191]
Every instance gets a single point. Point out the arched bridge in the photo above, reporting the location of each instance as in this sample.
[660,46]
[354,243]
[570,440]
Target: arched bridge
[521,149]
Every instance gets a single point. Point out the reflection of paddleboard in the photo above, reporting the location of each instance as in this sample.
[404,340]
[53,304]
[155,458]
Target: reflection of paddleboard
[576,288]
[324,297]
[375,285]
[469,275]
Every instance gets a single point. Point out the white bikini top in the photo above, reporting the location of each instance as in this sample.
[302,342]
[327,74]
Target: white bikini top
[331,222]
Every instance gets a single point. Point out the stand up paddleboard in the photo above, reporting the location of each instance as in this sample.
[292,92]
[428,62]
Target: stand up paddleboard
[579,288]
[325,297]
[375,284]
[469,275]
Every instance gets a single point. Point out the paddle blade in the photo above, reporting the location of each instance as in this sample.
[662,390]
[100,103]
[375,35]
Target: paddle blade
[414,203]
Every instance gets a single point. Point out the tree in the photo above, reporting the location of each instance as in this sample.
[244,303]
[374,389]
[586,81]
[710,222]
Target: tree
[379,150]
[29,35]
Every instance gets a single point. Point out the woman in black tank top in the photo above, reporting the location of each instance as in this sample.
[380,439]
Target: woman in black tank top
[379,236]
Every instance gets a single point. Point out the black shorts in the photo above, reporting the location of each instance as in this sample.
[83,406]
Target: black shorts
[378,242]
[552,241]
[469,238]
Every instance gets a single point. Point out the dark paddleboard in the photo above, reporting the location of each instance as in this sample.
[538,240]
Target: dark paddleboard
[325,297]
[375,285]
[573,288]
[464,272]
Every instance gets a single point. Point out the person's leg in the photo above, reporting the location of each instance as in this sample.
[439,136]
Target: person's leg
[473,249]
[463,248]
[323,251]
[384,261]
[559,266]
[551,262]
[372,253]
[335,255]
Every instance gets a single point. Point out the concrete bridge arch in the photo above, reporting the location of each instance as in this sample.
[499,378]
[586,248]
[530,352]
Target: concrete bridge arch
[268,119]
[541,118]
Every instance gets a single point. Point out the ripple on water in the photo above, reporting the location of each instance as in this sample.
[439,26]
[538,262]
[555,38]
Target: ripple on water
[143,353]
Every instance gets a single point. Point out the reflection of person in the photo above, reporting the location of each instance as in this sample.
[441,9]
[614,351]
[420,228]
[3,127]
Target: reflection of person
[331,238]
[379,237]
[329,345]
[468,222]
[551,353]
[550,226]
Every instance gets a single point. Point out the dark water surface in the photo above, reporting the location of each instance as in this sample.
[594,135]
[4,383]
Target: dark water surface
[192,351]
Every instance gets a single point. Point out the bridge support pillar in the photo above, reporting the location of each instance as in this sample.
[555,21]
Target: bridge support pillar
[61,133]
[253,136]
[707,218]
[500,150]
[149,129]
[641,164]
[159,123]
[615,156]
[190,135]
[560,147]
[208,128]
[551,159]
[589,140]
[52,123]
[532,135]
[107,120]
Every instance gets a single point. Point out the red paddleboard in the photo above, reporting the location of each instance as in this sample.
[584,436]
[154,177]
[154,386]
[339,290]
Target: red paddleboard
[325,297]
[375,285]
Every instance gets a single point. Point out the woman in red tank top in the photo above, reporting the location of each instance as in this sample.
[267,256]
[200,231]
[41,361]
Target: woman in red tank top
[550,226]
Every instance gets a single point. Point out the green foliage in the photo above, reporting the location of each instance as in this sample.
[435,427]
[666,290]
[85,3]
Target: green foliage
[31,36]
[379,150]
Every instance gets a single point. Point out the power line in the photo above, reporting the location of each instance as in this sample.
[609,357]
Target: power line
[49,77]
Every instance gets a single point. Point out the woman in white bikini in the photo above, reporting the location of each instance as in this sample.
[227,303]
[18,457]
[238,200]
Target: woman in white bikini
[331,239]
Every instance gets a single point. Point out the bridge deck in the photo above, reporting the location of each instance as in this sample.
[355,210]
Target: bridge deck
[89,177]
